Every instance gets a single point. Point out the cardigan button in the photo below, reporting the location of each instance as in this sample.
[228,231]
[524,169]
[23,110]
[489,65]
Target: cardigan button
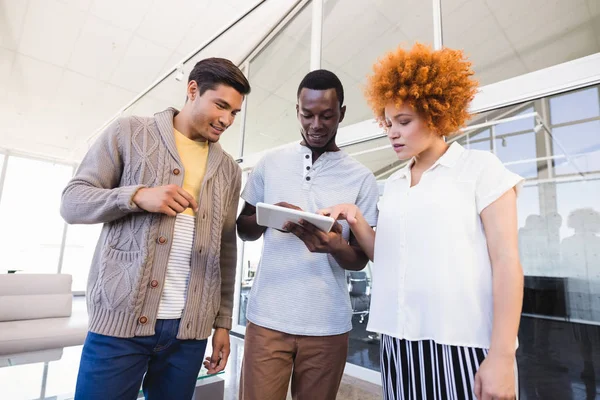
[143,319]
[176,171]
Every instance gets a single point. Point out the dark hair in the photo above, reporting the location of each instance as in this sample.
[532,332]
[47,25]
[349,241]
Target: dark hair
[211,72]
[321,79]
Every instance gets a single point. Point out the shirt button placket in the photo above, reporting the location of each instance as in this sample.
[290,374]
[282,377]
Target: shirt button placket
[402,275]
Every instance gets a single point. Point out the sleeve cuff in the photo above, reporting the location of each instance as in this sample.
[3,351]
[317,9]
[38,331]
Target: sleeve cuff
[223,322]
[514,181]
[125,198]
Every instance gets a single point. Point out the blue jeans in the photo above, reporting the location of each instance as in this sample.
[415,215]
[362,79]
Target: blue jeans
[113,368]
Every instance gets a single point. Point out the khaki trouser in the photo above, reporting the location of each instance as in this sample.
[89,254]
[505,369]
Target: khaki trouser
[314,363]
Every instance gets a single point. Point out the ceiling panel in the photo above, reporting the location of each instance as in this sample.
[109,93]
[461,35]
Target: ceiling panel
[534,31]
[51,39]
[25,93]
[341,17]
[494,52]
[77,94]
[130,13]
[7,59]
[204,27]
[12,15]
[361,64]
[573,44]
[167,23]
[350,44]
[140,65]
[502,69]
[417,25]
[82,5]
[99,49]
[458,26]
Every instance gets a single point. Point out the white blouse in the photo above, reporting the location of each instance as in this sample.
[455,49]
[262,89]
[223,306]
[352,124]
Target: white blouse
[432,275]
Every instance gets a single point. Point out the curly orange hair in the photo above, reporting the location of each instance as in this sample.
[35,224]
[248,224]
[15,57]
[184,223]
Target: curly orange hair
[437,84]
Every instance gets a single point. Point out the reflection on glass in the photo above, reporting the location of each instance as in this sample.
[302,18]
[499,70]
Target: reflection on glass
[275,75]
[519,125]
[252,253]
[575,106]
[578,147]
[484,145]
[514,149]
[30,207]
[559,240]
[363,345]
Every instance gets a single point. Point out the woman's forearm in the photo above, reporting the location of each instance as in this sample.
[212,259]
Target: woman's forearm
[508,300]
[364,234]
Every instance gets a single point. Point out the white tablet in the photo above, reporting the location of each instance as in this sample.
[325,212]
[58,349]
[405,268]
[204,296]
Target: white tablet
[276,217]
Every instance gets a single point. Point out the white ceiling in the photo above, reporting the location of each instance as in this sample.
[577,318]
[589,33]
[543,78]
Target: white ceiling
[67,66]
[61,78]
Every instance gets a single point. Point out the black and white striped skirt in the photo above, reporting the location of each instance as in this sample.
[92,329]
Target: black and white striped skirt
[415,370]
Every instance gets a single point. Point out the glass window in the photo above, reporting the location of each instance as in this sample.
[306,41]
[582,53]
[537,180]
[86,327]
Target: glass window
[252,254]
[575,106]
[579,205]
[513,149]
[485,145]
[79,249]
[375,154]
[477,140]
[29,209]
[579,148]
[518,125]
[356,33]
[275,75]
[507,39]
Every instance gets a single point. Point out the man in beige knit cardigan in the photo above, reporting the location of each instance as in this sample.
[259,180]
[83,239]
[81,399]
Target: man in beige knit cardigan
[163,273]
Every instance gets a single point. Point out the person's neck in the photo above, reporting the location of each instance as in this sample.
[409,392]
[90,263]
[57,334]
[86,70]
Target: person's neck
[181,122]
[429,156]
[316,153]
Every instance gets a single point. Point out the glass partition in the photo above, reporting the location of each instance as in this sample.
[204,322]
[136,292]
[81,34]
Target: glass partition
[275,74]
[559,235]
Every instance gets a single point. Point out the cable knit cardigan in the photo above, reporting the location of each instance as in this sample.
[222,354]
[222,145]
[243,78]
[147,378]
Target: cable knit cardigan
[130,262]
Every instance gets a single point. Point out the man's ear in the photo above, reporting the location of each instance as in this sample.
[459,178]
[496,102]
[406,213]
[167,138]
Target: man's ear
[342,113]
[192,90]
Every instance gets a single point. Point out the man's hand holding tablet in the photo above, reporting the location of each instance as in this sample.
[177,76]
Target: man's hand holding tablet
[279,215]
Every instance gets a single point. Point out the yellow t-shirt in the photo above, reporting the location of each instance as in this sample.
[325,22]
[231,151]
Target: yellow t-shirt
[194,156]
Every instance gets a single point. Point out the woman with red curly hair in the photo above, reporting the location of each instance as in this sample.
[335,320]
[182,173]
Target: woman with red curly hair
[447,281]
